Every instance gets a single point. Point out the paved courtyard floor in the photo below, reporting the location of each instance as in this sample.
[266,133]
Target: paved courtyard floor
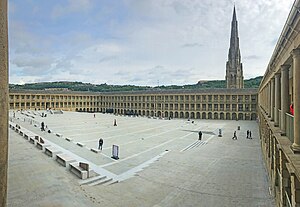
[161,162]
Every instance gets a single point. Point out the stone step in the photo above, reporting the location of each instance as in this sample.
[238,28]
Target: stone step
[101,182]
[111,182]
[92,179]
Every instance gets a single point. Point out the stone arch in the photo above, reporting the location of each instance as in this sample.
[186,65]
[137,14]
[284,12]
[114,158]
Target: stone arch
[222,116]
[187,115]
[209,115]
[192,115]
[234,117]
[171,114]
[166,114]
[241,116]
[198,115]
[152,113]
[216,115]
[159,113]
[176,114]
[203,115]
[181,114]
[253,116]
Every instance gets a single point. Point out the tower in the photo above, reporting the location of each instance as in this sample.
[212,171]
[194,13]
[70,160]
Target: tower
[234,68]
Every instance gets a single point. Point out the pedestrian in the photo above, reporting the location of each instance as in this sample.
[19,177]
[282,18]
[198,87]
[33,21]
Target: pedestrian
[234,135]
[200,135]
[43,126]
[100,144]
[94,115]
[250,136]
[115,122]
[247,134]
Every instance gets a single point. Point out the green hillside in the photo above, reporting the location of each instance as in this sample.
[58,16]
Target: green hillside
[79,86]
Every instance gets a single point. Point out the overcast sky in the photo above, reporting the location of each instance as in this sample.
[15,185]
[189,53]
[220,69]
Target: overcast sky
[140,42]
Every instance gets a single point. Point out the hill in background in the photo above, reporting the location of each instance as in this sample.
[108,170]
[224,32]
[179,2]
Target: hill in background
[79,86]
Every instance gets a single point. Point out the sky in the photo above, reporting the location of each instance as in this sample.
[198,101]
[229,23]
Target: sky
[139,42]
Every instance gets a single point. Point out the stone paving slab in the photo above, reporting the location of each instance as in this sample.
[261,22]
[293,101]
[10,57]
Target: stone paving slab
[219,172]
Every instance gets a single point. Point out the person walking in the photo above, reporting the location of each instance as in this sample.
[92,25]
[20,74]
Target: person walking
[200,135]
[234,135]
[250,136]
[247,134]
[100,144]
[42,126]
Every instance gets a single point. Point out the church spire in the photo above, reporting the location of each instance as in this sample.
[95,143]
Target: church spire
[234,68]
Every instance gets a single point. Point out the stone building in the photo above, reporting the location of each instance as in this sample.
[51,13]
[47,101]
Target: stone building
[230,104]
[279,114]
[234,68]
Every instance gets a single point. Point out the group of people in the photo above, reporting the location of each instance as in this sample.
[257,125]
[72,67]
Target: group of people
[249,134]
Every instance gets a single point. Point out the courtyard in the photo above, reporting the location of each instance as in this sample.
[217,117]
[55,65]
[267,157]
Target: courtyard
[161,162]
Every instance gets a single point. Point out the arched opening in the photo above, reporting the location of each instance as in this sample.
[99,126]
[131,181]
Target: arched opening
[209,115]
[216,116]
[187,115]
[241,116]
[253,116]
[203,115]
[176,114]
[171,114]
[222,116]
[166,114]
[181,115]
[234,116]
[192,115]
[198,115]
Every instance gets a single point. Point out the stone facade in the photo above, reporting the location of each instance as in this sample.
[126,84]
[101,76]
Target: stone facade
[234,68]
[230,104]
[279,127]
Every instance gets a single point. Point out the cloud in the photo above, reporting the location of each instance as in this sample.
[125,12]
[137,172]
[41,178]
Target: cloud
[252,57]
[140,42]
[72,6]
[192,45]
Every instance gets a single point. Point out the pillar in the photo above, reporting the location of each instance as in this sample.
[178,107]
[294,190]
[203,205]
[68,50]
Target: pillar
[272,98]
[296,97]
[277,99]
[295,190]
[3,102]
[284,96]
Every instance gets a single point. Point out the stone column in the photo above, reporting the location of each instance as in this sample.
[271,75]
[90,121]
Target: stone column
[277,99]
[296,97]
[272,98]
[284,96]
[3,102]
[295,190]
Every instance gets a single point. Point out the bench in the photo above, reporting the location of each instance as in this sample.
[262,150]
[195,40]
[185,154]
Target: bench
[80,169]
[21,133]
[41,144]
[58,134]
[34,139]
[64,159]
[80,144]
[95,150]
[52,151]
[27,135]
[68,139]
